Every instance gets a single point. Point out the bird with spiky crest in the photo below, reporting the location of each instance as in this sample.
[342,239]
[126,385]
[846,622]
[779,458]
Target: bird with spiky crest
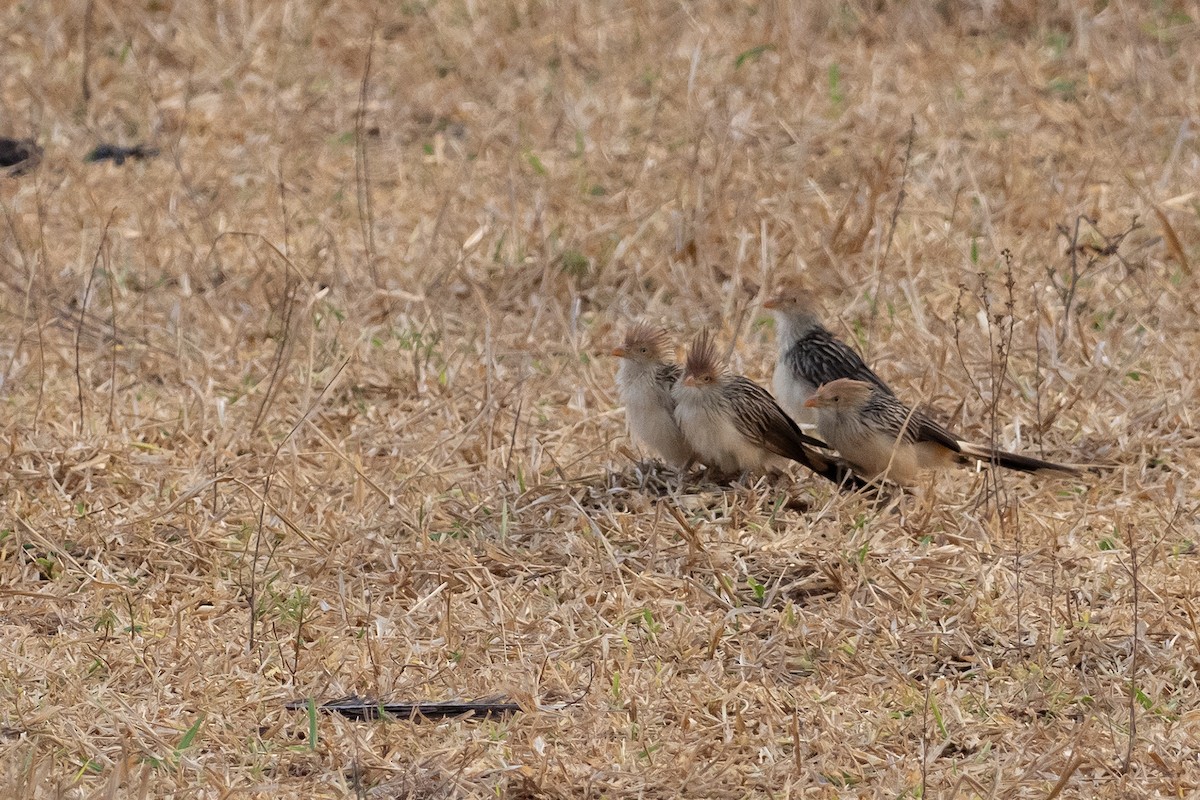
[645,379]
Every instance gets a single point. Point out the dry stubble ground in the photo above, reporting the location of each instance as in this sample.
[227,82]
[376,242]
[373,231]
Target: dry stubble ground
[266,440]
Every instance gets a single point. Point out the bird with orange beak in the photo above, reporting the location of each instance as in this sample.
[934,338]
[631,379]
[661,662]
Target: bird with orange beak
[645,379]
[809,355]
[881,437]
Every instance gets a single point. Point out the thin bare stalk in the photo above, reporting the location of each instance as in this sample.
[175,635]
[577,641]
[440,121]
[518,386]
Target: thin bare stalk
[87,293]
[1131,542]
[362,167]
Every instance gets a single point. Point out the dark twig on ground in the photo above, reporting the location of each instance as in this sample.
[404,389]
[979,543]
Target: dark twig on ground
[362,708]
[118,154]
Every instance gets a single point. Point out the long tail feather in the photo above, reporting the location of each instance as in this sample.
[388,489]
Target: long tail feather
[1015,461]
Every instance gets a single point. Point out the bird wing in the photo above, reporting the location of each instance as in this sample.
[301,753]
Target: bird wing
[760,419]
[924,429]
[888,415]
[820,358]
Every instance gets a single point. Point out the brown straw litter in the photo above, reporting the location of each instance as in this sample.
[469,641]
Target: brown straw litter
[316,402]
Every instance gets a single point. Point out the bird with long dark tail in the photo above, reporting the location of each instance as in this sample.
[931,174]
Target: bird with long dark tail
[881,437]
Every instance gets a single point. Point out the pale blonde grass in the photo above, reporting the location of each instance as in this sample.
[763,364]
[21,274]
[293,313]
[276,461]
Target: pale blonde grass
[451,509]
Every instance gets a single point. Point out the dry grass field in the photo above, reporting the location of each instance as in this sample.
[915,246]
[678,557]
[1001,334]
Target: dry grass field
[318,402]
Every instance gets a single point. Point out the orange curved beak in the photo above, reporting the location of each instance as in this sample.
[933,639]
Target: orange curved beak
[689,380]
[772,303]
[619,352]
[813,402]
